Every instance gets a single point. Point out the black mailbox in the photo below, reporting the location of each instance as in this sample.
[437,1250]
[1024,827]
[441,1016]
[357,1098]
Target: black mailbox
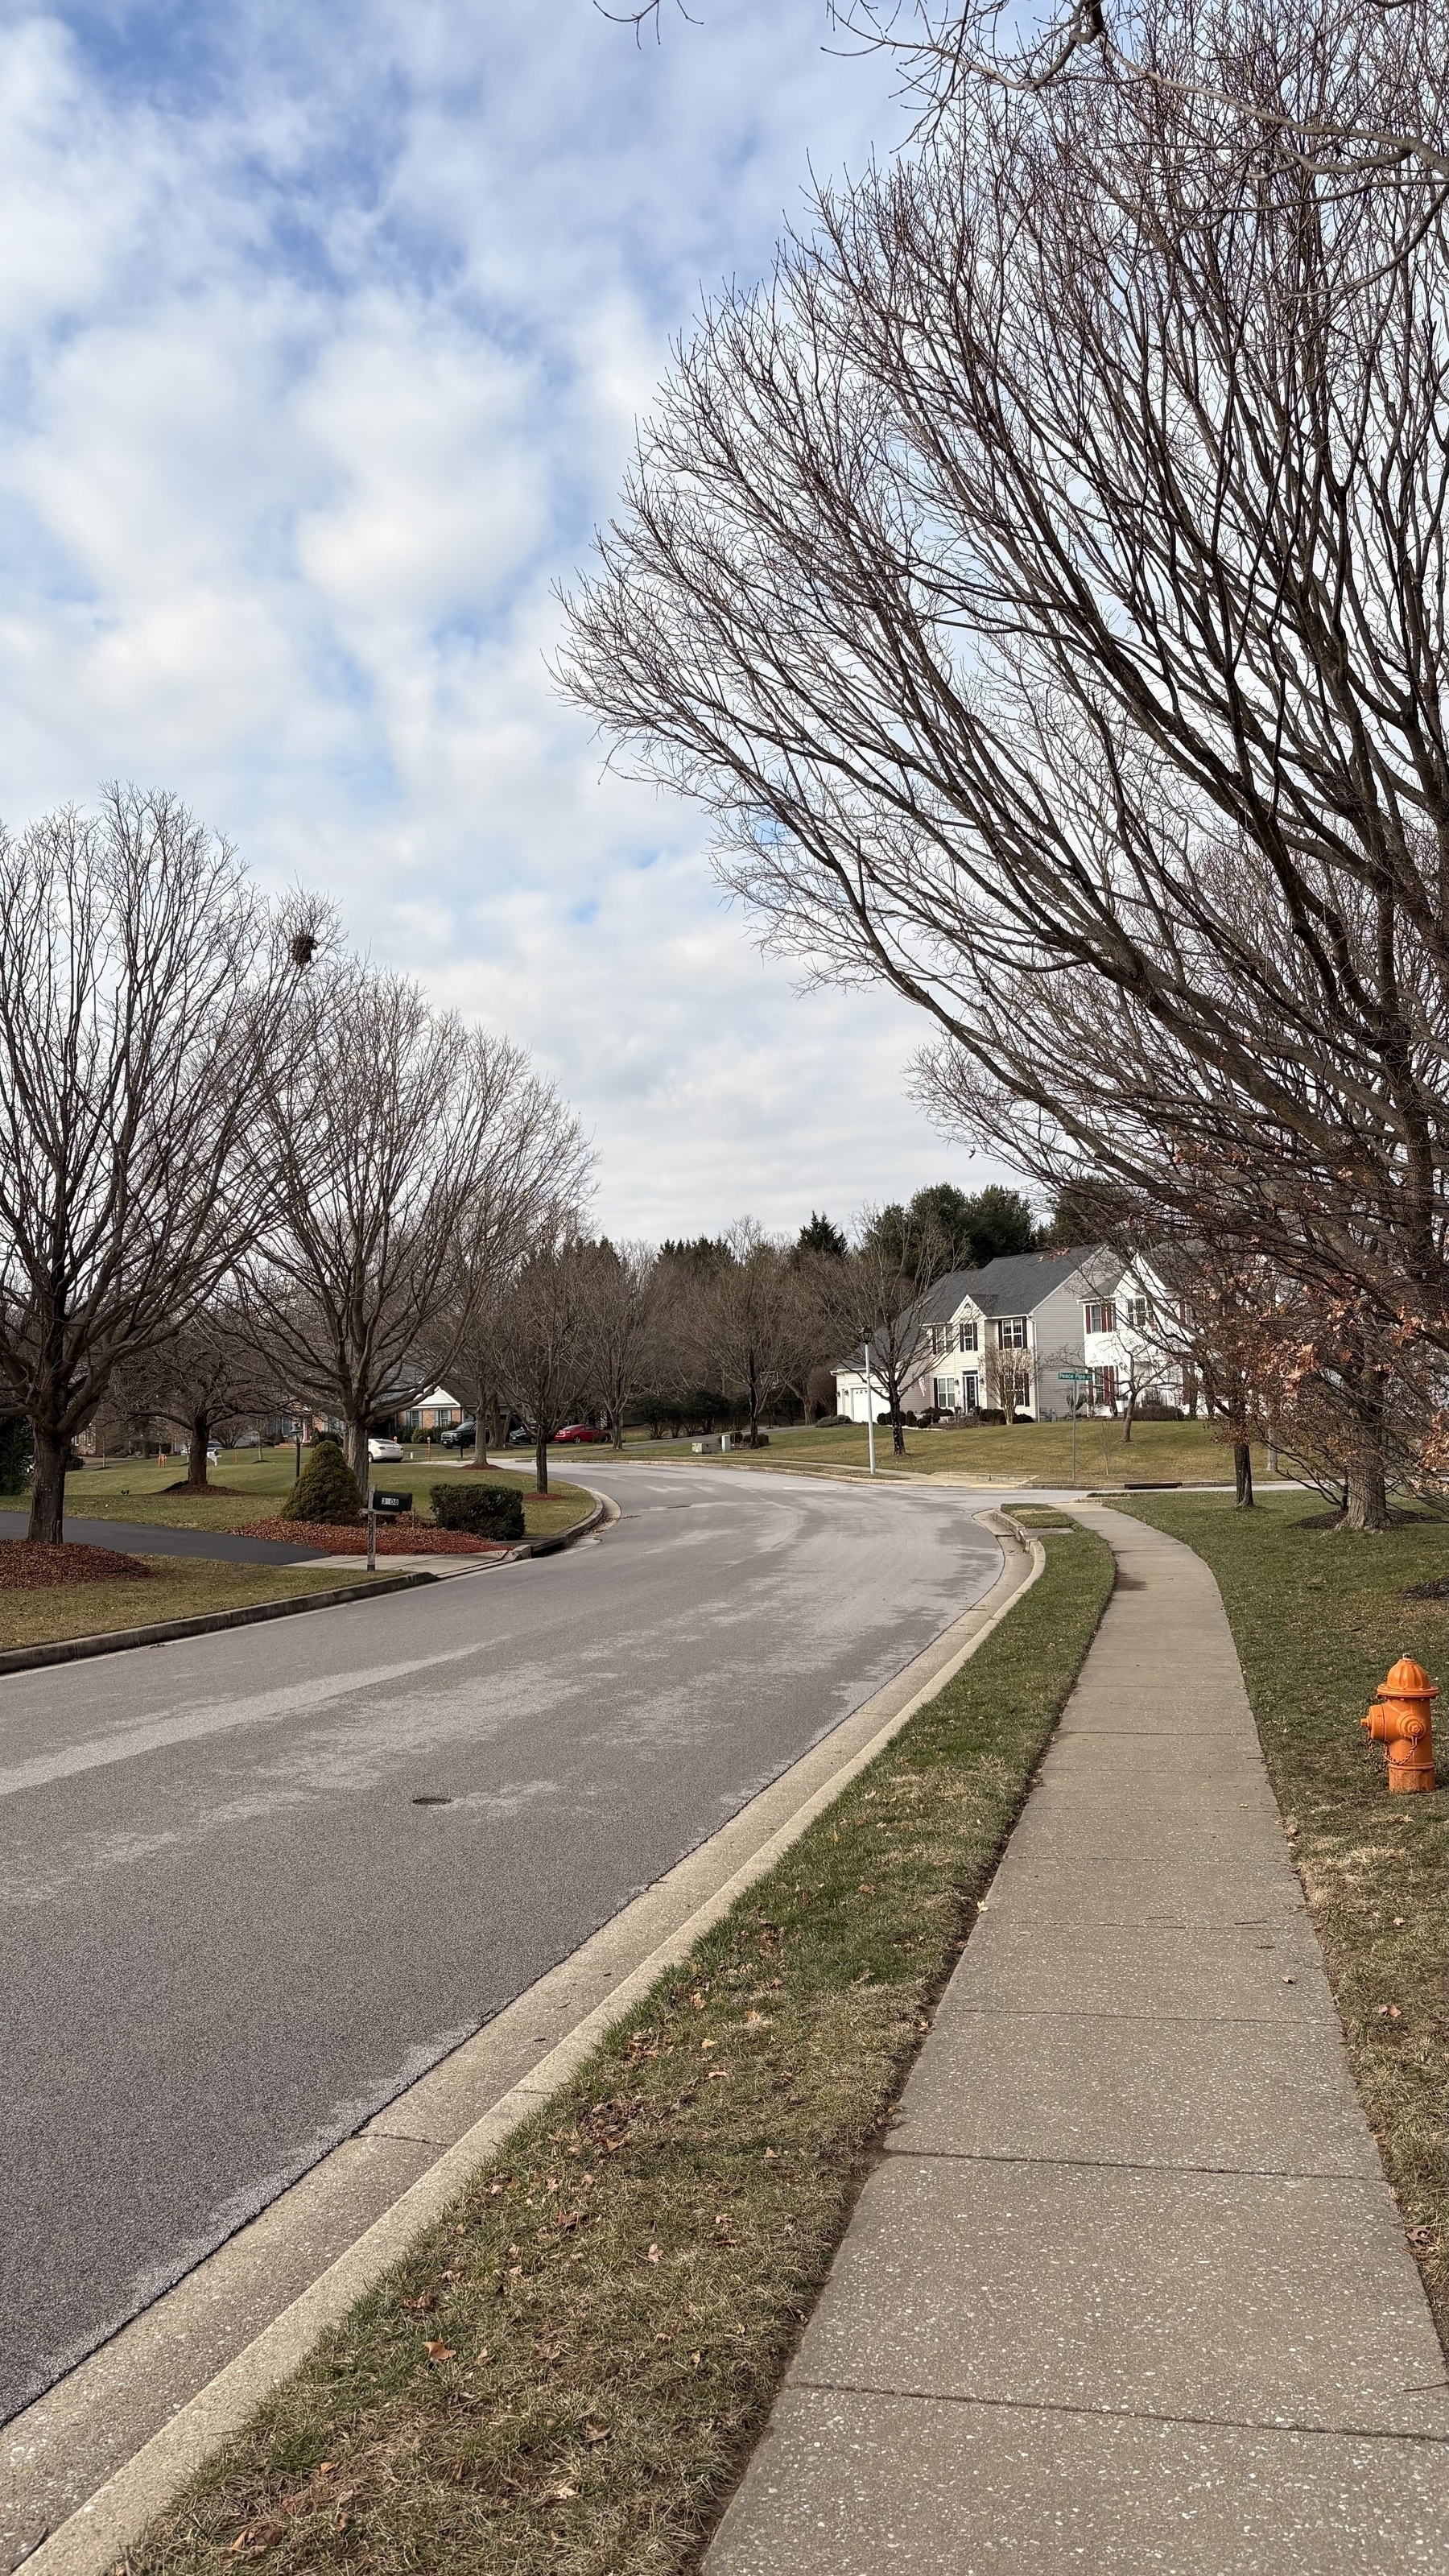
[392,1502]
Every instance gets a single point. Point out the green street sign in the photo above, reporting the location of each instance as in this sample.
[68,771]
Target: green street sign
[1074,1377]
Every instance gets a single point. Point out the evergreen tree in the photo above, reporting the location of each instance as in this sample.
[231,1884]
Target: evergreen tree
[326,1490]
[821,1236]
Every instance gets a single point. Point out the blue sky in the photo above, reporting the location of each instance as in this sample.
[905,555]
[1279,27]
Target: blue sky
[322,337]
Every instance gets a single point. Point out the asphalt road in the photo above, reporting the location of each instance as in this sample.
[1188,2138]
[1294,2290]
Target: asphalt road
[231,1936]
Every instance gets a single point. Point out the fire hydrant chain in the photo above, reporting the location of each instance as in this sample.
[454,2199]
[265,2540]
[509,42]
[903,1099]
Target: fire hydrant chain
[1400,1719]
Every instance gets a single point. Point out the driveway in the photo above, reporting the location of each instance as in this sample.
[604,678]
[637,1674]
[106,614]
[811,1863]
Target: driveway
[231,1934]
[150,1538]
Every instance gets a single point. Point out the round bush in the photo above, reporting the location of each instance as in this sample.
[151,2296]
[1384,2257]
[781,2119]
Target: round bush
[326,1490]
[485,1511]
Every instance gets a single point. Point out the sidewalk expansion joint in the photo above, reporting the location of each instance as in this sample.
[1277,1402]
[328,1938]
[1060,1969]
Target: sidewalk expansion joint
[1100,2012]
[1122,2414]
[1130,2164]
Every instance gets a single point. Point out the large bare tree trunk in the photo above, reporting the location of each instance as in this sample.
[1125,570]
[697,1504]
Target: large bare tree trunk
[196,1453]
[1243,1475]
[354,1443]
[540,1465]
[1366,1501]
[47,1493]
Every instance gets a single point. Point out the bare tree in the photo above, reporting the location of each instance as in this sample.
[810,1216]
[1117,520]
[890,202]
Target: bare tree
[142,987]
[885,1306]
[543,1343]
[810,1322]
[1045,577]
[204,1379]
[1380,103]
[1010,1373]
[682,1381]
[379,1122]
[747,1320]
[621,1295]
[533,1186]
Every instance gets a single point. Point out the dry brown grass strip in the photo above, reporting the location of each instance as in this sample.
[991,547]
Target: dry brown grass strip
[570,2368]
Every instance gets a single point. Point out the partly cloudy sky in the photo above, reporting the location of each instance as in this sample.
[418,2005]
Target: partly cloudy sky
[322,335]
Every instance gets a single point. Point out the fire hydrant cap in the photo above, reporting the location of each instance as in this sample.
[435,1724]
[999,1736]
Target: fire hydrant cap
[1408,1680]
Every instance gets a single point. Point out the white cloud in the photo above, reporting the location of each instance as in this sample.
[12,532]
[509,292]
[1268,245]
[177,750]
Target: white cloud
[319,357]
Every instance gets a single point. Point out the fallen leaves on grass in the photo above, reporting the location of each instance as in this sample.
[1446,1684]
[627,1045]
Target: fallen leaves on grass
[402,1537]
[34,1565]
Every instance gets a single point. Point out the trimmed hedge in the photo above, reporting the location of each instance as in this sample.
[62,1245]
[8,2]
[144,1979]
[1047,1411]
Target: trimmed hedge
[485,1511]
[326,1490]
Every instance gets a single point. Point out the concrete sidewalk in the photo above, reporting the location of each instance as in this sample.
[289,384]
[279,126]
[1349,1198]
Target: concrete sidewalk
[1127,2291]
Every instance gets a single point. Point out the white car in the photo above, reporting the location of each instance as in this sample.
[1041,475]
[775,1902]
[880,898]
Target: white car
[385,1453]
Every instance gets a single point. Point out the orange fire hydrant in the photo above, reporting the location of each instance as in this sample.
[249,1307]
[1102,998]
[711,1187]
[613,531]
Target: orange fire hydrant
[1400,1719]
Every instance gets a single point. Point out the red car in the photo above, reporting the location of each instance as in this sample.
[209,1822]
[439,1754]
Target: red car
[578,1431]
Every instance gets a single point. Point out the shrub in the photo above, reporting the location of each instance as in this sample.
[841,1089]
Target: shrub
[326,1490]
[486,1511]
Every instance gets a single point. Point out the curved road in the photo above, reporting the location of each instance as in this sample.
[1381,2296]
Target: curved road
[231,1932]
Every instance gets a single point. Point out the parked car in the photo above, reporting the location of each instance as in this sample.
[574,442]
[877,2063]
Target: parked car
[385,1453]
[520,1437]
[464,1435]
[579,1431]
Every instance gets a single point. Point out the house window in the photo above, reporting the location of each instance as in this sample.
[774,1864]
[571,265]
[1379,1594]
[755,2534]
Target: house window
[1011,1333]
[944,1392]
[940,1340]
[968,1338]
[1104,1385]
[1101,1319]
[1137,1311]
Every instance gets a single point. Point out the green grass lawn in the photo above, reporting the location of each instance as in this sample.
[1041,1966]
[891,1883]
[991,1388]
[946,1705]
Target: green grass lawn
[180,1588]
[1029,1453]
[1318,1617]
[570,2368]
[132,1489]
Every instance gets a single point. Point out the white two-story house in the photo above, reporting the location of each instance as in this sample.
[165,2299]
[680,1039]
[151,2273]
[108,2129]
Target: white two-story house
[1129,1333]
[981,1337]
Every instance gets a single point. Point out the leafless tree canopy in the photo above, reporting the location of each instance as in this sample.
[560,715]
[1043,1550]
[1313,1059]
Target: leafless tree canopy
[142,987]
[380,1120]
[1047,572]
[543,1347]
[204,1380]
[621,1293]
[533,1188]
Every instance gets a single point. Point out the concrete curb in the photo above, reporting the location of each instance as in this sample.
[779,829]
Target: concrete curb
[605,1510]
[75,1650]
[98,2533]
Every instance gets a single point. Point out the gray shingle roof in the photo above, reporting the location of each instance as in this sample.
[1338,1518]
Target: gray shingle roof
[1019,1282]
